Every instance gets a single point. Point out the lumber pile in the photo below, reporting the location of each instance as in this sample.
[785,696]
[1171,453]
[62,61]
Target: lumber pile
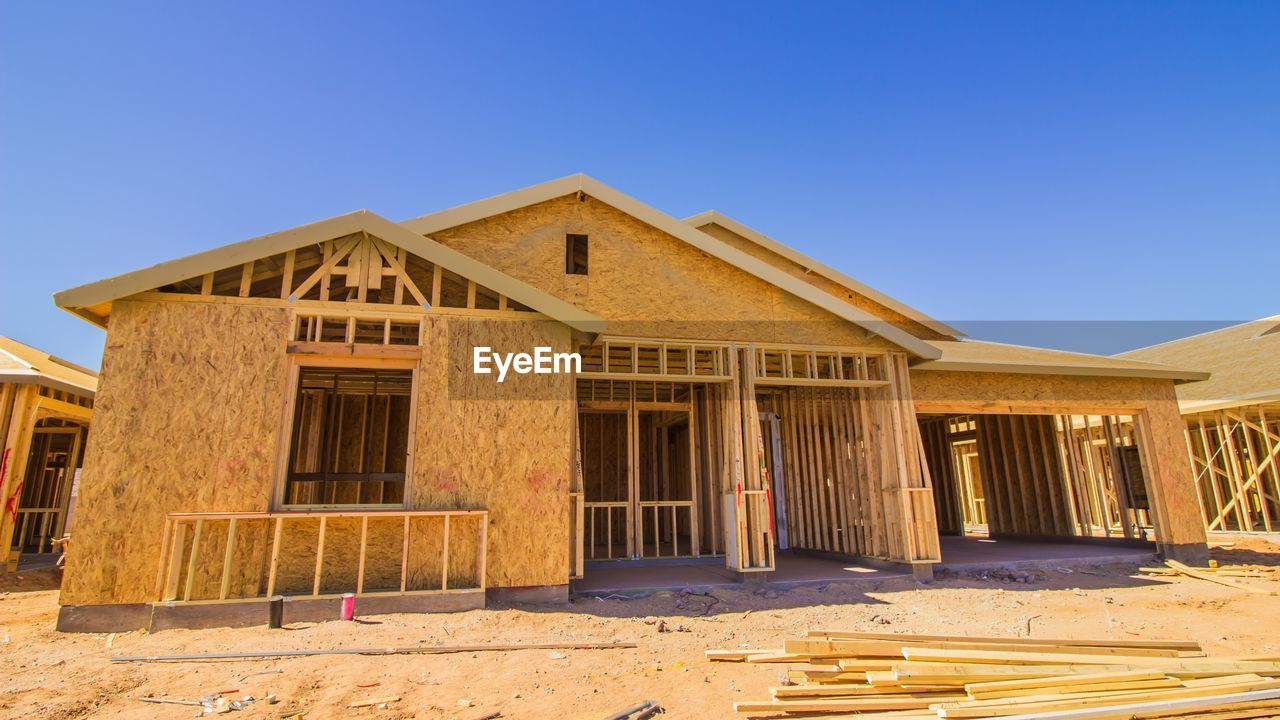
[885,675]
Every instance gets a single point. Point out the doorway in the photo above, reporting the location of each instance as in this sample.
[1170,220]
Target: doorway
[640,480]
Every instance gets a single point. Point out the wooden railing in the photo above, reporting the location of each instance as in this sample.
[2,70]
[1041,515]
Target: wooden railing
[45,522]
[653,513]
[222,557]
[600,518]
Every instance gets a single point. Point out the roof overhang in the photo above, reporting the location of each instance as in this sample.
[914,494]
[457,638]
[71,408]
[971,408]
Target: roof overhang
[712,217]
[1023,360]
[1259,398]
[78,299]
[33,377]
[579,183]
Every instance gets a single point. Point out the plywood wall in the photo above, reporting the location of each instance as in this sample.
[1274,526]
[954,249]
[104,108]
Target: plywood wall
[187,418]
[505,447]
[645,282]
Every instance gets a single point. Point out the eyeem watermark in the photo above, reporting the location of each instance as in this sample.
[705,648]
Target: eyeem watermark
[541,362]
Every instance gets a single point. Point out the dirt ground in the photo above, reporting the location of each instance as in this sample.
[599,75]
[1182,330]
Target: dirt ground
[46,674]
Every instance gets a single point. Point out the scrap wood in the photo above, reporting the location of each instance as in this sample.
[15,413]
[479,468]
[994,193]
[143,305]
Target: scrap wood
[1203,575]
[421,650]
[375,701]
[642,709]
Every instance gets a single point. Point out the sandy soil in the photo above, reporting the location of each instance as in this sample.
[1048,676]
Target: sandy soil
[46,674]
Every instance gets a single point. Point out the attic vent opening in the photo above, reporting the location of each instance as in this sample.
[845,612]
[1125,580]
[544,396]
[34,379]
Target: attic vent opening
[575,254]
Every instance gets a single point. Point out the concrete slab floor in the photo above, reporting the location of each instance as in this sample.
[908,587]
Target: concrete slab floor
[968,553]
[958,553]
[792,569]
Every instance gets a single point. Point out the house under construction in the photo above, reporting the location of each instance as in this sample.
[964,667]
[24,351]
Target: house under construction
[1232,422]
[45,406]
[298,414]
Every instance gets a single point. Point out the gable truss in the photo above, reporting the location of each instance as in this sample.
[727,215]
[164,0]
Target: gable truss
[356,268]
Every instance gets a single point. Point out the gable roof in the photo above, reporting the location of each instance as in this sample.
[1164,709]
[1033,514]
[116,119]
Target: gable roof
[711,217]
[981,356]
[579,183]
[21,363]
[1244,360]
[79,299]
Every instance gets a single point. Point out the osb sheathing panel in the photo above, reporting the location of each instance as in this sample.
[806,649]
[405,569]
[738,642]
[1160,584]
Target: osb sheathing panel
[1165,454]
[188,419]
[173,431]
[823,283]
[505,447]
[645,282]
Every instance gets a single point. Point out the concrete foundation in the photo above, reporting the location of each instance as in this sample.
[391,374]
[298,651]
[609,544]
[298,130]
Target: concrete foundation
[1193,554]
[248,613]
[104,618]
[536,595]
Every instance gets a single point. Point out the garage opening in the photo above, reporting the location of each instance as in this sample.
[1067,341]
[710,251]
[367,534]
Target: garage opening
[1037,477]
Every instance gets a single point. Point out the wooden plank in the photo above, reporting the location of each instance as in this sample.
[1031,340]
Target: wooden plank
[1061,681]
[225,586]
[1021,658]
[319,569]
[444,552]
[1151,709]
[364,547]
[275,557]
[191,565]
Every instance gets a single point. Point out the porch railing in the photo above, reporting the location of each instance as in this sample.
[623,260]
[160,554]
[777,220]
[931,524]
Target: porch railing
[600,527]
[224,557]
[660,521]
[38,527]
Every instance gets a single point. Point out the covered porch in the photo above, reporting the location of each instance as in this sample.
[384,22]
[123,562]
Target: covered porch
[795,569]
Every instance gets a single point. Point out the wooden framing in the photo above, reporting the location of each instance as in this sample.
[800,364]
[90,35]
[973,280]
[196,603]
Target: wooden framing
[36,478]
[182,562]
[363,361]
[1234,454]
[1064,475]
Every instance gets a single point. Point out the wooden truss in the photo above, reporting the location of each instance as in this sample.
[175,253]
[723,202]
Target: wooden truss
[356,268]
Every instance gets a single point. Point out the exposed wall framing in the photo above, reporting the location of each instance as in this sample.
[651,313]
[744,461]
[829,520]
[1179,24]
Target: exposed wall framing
[43,430]
[1038,475]
[1233,454]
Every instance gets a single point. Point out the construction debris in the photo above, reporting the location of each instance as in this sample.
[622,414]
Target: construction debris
[1216,575]
[939,676]
[639,711]
[419,650]
[374,702]
[216,703]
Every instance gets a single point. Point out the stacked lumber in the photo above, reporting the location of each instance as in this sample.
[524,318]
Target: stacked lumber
[885,675]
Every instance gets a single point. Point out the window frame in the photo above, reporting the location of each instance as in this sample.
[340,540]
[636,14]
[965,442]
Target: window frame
[295,367]
[571,241]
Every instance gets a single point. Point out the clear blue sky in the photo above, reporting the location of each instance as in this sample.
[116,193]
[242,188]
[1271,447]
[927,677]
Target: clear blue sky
[980,161]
